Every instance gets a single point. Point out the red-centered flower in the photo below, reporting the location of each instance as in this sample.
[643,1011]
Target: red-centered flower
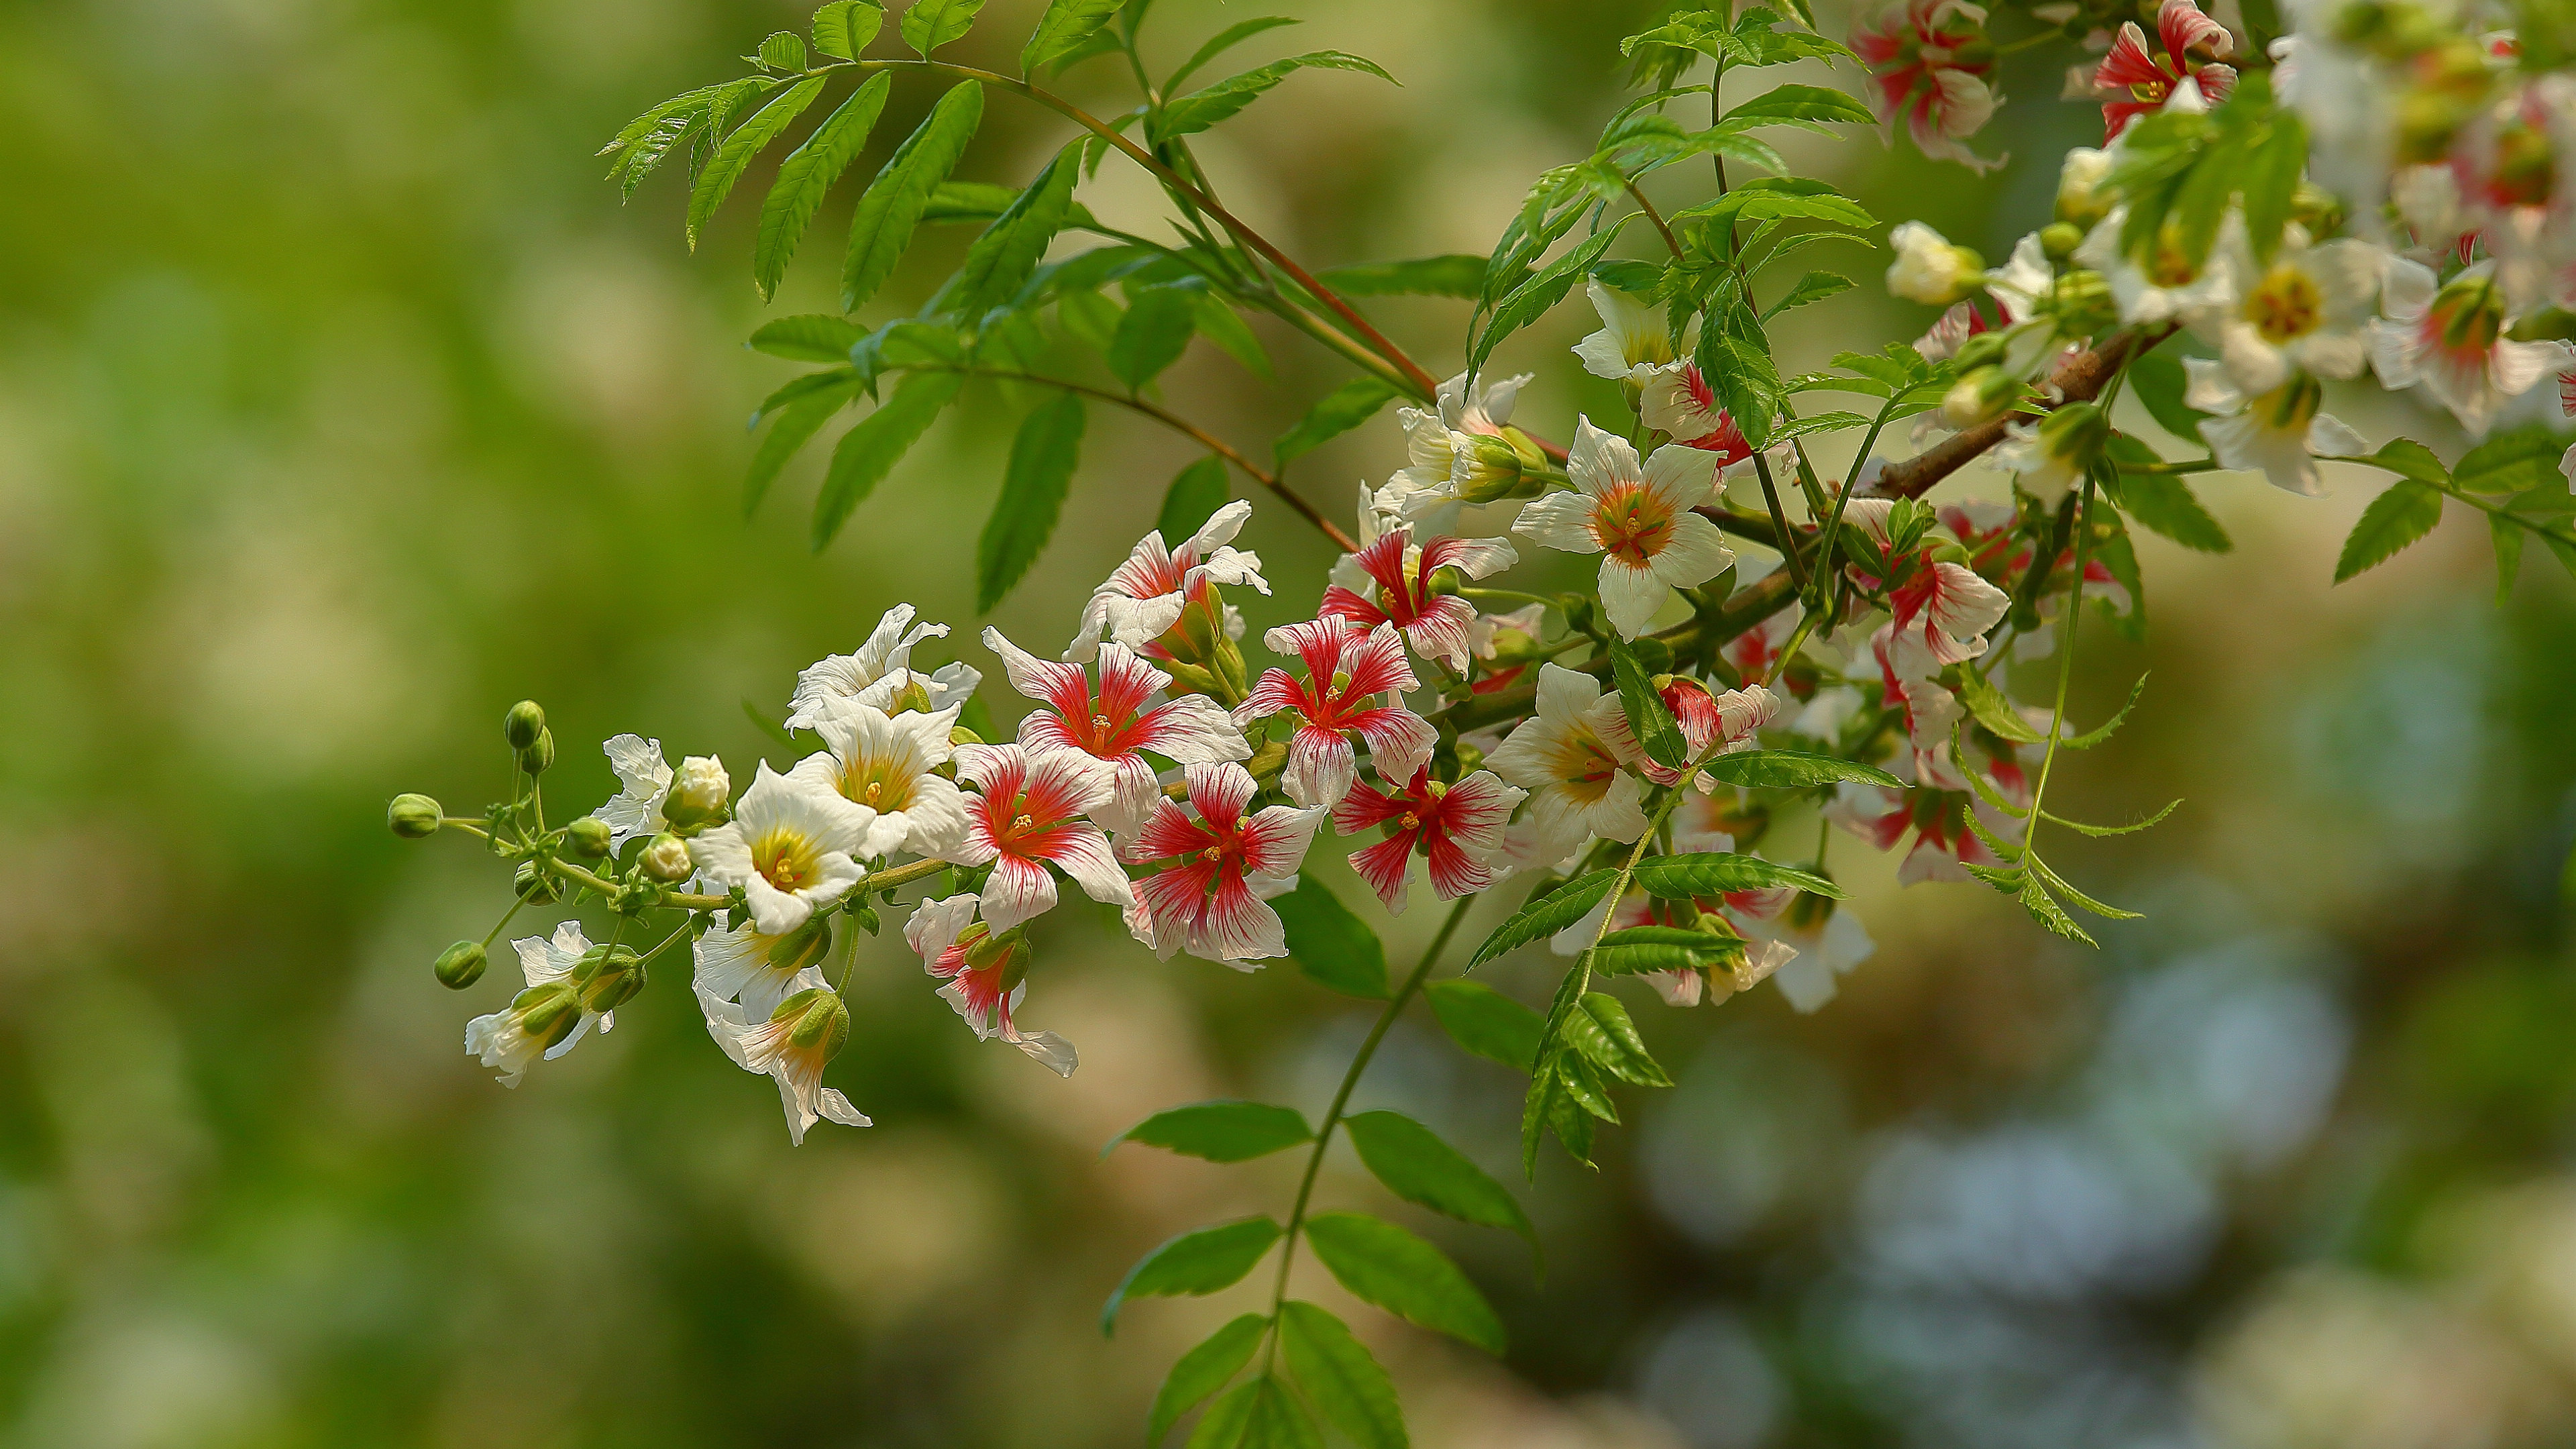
[985,975]
[1712,723]
[1114,726]
[1678,400]
[2136,78]
[1457,828]
[1147,597]
[1028,815]
[1211,899]
[1929,61]
[1943,608]
[1347,667]
[1389,582]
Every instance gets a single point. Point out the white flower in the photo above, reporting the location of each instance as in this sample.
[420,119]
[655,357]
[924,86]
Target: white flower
[1633,341]
[1423,491]
[789,848]
[636,809]
[2048,456]
[883,764]
[1117,722]
[2451,339]
[2023,282]
[1147,594]
[792,1046]
[2304,311]
[2171,288]
[1638,518]
[2567,467]
[2278,434]
[1929,268]
[743,963]
[1572,758]
[1823,950]
[878,670]
[546,1020]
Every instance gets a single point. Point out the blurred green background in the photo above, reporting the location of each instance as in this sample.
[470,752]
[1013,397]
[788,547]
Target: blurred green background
[342,404]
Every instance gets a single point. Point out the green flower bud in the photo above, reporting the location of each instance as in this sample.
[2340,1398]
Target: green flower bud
[2060,239]
[414,816]
[699,794]
[548,1013]
[525,721]
[535,885]
[1491,468]
[607,976]
[1983,350]
[588,837]
[666,859]
[460,965]
[538,758]
[802,947]
[1980,397]
[816,1021]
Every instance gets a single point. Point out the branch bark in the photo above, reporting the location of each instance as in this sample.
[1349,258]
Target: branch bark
[2080,378]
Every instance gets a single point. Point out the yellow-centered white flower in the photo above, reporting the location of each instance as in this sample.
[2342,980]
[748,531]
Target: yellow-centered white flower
[548,1018]
[793,1045]
[2306,310]
[878,671]
[2279,434]
[1637,517]
[883,764]
[1573,758]
[1633,341]
[789,847]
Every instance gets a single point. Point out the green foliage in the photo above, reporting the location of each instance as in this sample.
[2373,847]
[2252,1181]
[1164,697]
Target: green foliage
[1813,287]
[794,428]
[1385,1265]
[1226,1131]
[1782,198]
[1194,1264]
[1546,915]
[809,337]
[1153,334]
[1601,1030]
[1989,708]
[1676,877]
[1802,103]
[784,50]
[2164,503]
[1662,948]
[843,28]
[2406,512]
[808,172]
[1197,492]
[1202,1371]
[1656,730]
[2157,378]
[2507,536]
[1335,413]
[1341,1377]
[867,452]
[1002,258]
[1531,299]
[2187,169]
[1065,26]
[930,24]
[1747,39]
[1420,1168]
[1449,276]
[1257,1414]
[1794,770]
[1326,940]
[1033,489]
[716,181]
[1485,1022]
[2513,462]
[891,207]
[1201,109]
[1218,44]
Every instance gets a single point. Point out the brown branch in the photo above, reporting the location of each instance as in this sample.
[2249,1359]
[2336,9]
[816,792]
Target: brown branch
[2080,378]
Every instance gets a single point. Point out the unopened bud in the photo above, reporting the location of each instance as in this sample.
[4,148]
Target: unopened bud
[2083,195]
[588,837]
[699,792]
[1980,397]
[548,1013]
[1930,269]
[413,816]
[802,947]
[2076,434]
[460,965]
[534,884]
[1447,580]
[816,1021]
[607,976]
[1487,468]
[2060,239]
[1985,349]
[913,697]
[538,758]
[1190,678]
[525,721]
[666,859]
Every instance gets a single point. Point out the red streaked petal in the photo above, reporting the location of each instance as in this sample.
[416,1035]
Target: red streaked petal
[1383,866]
[1167,832]
[1365,806]
[1237,926]
[1454,872]
[1376,664]
[1384,559]
[1220,791]
[1275,839]
[1341,603]
[1126,681]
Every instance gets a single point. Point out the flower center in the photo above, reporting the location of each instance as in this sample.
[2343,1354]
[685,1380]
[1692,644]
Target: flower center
[875,784]
[1632,524]
[1020,824]
[787,859]
[2285,306]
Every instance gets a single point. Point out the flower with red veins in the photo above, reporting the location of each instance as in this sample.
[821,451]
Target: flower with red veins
[1027,814]
[1941,341]
[1682,985]
[1347,669]
[1909,683]
[1823,941]
[1389,581]
[1573,756]
[1116,723]
[2137,78]
[1145,599]
[1944,846]
[1929,63]
[2451,338]
[1712,724]
[1677,400]
[986,975]
[1457,828]
[1493,634]
[1984,526]
[1638,517]
[1944,608]
[1211,900]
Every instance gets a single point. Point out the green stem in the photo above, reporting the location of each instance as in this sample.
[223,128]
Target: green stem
[2065,664]
[1780,521]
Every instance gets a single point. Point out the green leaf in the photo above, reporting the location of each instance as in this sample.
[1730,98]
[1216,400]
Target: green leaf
[1802,103]
[794,428]
[1794,770]
[1225,1131]
[887,212]
[1195,1264]
[1277,1422]
[2090,738]
[1783,197]
[809,337]
[1486,1022]
[2394,519]
[1418,1167]
[2512,463]
[1065,25]
[1226,1422]
[843,28]
[840,382]
[1033,488]
[2158,379]
[2508,551]
[1201,109]
[2562,550]
[968,201]
[1656,730]
[2040,868]
[1002,258]
[2163,503]
[746,142]
[1602,1031]
[1384,1264]
[1813,287]
[783,50]
[1546,916]
[868,451]
[1202,1371]
[2408,459]
[1449,276]
[2044,909]
[1532,298]
[806,174]
[1676,876]
[1341,1378]
[1744,381]
[1152,335]
[1219,323]
[1223,41]
[2080,828]
[1336,413]
[930,24]
[1994,711]
[1326,940]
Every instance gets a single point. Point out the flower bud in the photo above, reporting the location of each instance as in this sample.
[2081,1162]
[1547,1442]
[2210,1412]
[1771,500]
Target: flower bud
[1980,397]
[2076,434]
[2060,239]
[549,1012]
[1930,269]
[1470,759]
[699,792]
[538,758]
[607,976]
[535,885]
[1985,349]
[1191,678]
[666,859]
[2082,197]
[816,1021]
[1486,468]
[525,721]
[802,947]
[460,965]
[413,816]
[588,837]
